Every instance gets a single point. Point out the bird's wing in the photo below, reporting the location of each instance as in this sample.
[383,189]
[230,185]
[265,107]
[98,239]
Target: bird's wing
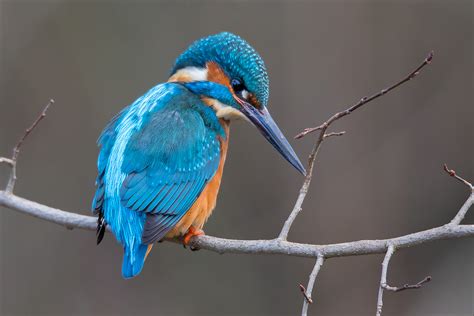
[167,162]
[106,141]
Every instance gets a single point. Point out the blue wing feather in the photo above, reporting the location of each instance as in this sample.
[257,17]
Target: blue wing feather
[156,157]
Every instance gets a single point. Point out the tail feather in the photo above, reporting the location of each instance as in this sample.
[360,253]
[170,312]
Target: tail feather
[101,226]
[133,260]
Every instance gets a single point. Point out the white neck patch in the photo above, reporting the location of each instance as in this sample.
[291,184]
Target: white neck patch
[190,74]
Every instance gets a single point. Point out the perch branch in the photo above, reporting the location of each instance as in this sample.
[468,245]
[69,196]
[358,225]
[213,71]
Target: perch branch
[271,246]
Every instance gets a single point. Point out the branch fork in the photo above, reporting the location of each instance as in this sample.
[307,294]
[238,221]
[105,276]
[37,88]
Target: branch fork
[383,280]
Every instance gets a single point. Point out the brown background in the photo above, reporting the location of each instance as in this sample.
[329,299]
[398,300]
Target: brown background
[381,180]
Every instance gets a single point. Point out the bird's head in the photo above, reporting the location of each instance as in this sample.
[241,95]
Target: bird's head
[231,75]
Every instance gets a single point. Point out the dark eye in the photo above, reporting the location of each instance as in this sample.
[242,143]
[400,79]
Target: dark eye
[237,85]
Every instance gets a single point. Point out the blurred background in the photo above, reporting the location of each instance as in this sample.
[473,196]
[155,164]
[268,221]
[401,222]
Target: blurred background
[382,179]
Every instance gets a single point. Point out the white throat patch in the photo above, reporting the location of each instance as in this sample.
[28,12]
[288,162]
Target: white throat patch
[227,112]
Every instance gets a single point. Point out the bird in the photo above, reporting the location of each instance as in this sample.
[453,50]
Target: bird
[161,158]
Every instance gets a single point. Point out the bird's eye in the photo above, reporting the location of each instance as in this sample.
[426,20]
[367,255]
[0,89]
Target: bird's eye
[237,85]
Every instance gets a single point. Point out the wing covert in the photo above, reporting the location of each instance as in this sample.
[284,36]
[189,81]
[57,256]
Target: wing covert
[168,162]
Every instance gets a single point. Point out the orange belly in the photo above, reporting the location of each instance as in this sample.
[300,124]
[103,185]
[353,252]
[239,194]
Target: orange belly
[206,202]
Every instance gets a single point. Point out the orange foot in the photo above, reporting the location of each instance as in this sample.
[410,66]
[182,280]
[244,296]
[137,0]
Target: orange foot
[192,231]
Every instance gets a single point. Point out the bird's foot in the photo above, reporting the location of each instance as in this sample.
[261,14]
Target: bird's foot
[192,231]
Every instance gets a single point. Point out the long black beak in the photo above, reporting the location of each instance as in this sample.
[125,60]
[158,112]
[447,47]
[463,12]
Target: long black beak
[262,119]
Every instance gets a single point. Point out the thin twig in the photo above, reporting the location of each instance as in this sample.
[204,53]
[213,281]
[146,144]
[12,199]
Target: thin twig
[309,289]
[366,100]
[469,202]
[303,191]
[16,150]
[453,173]
[383,280]
[407,286]
[334,134]
[303,291]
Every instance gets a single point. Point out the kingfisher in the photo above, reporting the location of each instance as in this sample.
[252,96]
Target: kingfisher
[161,158]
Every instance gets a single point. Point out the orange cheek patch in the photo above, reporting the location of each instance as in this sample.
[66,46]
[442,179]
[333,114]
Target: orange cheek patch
[216,74]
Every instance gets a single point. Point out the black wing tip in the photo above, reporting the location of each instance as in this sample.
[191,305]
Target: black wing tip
[101,226]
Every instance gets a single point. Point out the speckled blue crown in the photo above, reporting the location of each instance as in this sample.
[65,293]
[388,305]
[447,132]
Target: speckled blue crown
[237,58]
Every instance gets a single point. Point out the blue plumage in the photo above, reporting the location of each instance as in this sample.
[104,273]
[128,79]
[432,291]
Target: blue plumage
[234,55]
[156,157]
[166,151]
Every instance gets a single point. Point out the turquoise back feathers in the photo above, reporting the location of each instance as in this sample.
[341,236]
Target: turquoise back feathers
[156,157]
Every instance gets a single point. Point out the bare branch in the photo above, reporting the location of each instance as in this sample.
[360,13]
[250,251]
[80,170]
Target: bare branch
[303,191]
[366,100]
[312,278]
[272,246]
[16,149]
[323,135]
[383,280]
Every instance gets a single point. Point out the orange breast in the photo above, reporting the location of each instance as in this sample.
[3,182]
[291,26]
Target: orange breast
[206,202]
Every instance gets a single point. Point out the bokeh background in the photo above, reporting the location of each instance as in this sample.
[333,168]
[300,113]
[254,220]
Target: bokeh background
[382,179]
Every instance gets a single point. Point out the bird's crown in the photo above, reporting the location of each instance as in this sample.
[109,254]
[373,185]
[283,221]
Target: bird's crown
[240,62]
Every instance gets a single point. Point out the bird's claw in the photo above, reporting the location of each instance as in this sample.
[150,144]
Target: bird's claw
[194,248]
[192,231]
